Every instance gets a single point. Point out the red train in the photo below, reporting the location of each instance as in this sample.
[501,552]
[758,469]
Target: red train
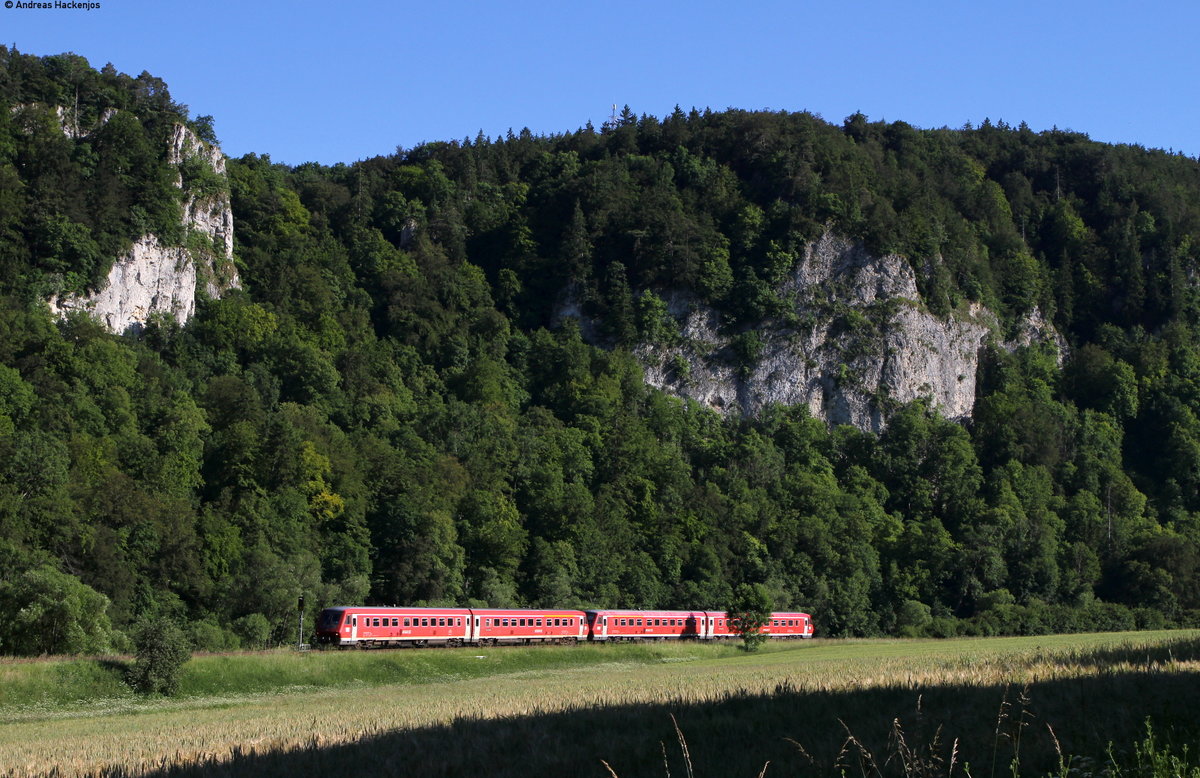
[365,626]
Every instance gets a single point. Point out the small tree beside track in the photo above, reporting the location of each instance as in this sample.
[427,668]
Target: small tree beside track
[749,613]
[162,650]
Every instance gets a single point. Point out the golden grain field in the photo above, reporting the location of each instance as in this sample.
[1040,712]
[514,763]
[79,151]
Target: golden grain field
[145,737]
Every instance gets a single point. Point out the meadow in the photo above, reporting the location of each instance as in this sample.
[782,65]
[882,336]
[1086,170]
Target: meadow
[1028,706]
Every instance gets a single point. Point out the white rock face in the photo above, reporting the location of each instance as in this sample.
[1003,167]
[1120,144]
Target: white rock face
[151,278]
[866,345]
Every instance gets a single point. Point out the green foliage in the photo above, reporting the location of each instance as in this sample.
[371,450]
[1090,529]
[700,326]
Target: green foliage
[253,630]
[83,171]
[51,612]
[1154,759]
[749,612]
[162,648]
[392,409]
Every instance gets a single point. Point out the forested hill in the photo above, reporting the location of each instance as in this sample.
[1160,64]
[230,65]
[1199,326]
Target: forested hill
[390,409]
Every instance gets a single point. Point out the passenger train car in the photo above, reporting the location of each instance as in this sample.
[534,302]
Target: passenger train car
[614,625]
[367,626]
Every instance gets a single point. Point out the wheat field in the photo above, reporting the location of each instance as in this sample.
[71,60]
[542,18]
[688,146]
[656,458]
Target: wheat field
[815,706]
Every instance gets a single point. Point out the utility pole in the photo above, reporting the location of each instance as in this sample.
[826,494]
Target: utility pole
[300,635]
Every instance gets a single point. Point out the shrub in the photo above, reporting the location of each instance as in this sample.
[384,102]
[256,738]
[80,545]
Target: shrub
[162,650]
[913,619]
[254,630]
[209,636]
[48,611]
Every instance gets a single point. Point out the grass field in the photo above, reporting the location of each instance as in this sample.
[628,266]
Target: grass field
[905,707]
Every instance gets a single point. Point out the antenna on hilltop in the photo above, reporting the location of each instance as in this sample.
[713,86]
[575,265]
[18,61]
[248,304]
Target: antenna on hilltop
[613,122]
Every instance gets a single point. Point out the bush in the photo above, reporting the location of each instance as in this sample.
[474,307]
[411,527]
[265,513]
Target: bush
[162,650]
[254,630]
[943,627]
[208,636]
[913,619]
[48,611]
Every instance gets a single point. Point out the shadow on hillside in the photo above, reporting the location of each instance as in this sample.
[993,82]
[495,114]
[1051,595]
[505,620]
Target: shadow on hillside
[797,732]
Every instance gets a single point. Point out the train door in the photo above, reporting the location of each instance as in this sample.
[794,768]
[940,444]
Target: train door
[354,628]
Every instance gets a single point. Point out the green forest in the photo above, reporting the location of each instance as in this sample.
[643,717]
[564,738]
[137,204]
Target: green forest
[389,411]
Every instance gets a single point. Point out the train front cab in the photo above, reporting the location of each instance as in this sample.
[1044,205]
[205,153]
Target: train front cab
[330,625]
[379,626]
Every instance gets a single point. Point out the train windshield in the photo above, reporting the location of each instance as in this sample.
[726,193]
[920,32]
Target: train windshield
[329,619]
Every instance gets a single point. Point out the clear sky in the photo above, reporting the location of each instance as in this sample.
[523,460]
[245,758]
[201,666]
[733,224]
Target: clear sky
[343,80]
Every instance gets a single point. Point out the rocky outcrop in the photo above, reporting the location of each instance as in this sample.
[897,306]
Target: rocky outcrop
[149,279]
[152,278]
[860,343]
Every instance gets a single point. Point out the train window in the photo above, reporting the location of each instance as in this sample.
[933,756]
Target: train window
[354,621]
[406,622]
[441,622]
[639,622]
[425,622]
[539,623]
[504,622]
[376,624]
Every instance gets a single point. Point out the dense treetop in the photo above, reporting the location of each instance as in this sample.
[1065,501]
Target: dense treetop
[387,414]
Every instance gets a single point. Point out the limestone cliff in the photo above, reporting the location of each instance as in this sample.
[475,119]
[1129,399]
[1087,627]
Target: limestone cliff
[154,279]
[859,343]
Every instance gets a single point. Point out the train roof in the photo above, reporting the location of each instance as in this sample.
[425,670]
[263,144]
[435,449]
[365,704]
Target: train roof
[617,612]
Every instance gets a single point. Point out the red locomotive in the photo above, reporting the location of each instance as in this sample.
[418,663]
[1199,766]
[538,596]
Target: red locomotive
[367,626]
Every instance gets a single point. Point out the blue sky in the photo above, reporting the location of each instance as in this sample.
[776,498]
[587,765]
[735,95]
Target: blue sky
[346,80]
